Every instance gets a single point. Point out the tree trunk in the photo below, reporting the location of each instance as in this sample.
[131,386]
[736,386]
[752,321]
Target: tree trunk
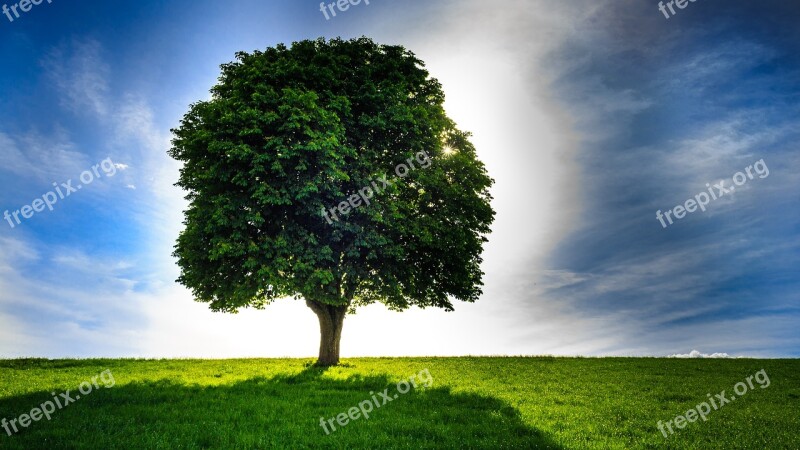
[331,319]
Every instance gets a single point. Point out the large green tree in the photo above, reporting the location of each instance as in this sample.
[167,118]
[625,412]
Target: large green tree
[290,133]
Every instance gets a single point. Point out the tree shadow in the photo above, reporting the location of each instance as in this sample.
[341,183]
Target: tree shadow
[279,412]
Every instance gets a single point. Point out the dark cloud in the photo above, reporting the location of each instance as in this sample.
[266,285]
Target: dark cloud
[664,107]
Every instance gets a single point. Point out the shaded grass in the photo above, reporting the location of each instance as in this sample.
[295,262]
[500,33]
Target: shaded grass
[473,403]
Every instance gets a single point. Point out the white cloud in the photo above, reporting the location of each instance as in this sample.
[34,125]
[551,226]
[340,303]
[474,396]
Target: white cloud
[70,305]
[697,354]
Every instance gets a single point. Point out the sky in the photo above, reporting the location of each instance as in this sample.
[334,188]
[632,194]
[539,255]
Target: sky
[595,118]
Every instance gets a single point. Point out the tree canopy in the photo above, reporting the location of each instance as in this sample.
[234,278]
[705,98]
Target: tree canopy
[290,132]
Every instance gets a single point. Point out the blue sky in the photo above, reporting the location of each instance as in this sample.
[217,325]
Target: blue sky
[591,116]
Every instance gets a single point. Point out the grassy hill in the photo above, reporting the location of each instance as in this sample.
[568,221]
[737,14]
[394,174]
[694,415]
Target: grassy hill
[537,402]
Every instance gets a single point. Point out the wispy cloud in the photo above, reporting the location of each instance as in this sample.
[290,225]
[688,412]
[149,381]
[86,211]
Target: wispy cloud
[41,158]
[79,71]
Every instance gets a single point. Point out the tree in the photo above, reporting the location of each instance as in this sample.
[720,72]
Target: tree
[290,133]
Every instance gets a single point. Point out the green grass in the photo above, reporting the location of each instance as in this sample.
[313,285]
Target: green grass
[472,403]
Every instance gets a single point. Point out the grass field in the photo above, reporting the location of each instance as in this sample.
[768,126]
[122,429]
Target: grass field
[471,403]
